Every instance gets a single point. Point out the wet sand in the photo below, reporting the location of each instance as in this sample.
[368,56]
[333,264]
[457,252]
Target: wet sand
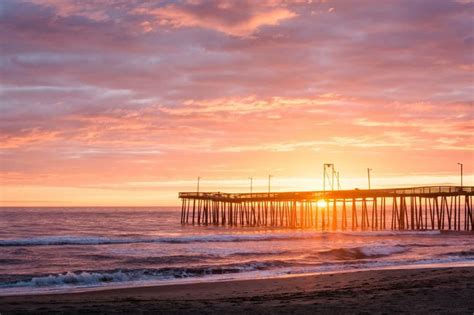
[449,290]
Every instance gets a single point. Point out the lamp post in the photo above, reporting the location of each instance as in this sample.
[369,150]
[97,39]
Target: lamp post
[338,183]
[199,179]
[325,166]
[332,181]
[251,185]
[269,179]
[368,175]
[460,164]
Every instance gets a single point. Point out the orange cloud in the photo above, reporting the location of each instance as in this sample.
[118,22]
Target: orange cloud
[28,138]
[252,104]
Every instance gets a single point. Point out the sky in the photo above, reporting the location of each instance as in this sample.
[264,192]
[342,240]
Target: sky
[126,103]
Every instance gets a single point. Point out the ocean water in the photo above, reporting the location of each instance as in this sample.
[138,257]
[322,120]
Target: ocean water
[45,250]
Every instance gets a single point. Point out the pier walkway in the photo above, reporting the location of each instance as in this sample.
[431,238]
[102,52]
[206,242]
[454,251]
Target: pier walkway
[414,208]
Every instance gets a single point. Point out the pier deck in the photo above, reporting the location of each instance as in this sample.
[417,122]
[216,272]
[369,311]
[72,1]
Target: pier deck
[413,208]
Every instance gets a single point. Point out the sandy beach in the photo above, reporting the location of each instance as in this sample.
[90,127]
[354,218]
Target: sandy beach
[448,290]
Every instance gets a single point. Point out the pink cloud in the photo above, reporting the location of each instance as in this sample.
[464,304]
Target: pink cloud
[240,19]
[91,9]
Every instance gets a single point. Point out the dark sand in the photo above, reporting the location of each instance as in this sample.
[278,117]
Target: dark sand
[449,290]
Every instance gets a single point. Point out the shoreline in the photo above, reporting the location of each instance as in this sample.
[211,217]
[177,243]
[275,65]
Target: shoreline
[443,289]
[210,281]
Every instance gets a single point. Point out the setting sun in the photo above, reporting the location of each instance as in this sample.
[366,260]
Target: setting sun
[322,203]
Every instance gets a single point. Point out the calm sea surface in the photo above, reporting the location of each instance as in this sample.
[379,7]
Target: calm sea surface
[74,249]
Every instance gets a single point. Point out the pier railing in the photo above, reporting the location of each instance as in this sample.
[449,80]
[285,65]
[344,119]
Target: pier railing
[338,194]
[413,208]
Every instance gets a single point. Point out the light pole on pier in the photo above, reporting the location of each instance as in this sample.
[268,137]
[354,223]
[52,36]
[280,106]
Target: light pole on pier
[269,179]
[368,175]
[199,179]
[326,175]
[460,164]
[332,180]
[338,183]
[251,185]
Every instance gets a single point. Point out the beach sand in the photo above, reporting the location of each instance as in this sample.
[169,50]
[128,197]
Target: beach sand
[445,290]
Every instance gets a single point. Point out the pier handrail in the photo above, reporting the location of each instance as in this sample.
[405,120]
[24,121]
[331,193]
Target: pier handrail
[356,193]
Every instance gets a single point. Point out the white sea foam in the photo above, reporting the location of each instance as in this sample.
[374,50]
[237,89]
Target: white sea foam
[83,278]
[90,278]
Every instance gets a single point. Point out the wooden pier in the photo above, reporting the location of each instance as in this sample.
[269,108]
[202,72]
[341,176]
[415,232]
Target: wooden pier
[415,208]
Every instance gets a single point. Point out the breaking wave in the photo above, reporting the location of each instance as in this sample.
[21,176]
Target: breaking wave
[91,278]
[462,253]
[97,240]
[360,252]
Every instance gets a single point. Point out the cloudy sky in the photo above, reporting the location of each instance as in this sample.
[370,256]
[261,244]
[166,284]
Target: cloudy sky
[126,102]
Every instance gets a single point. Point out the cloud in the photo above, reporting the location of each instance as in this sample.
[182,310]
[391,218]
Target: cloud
[236,18]
[138,91]
[252,104]
[92,9]
[27,138]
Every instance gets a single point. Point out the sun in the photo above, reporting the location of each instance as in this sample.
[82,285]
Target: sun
[322,203]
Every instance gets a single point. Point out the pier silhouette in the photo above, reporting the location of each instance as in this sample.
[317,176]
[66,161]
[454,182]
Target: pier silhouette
[414,208]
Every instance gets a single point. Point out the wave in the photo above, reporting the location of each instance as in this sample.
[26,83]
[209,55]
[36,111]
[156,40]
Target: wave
[204,258]
[461,253]
[98,240]
[359,252]
[88,278]
[95,278]
[173,259]
[393,233]
[10,261]
[143,276]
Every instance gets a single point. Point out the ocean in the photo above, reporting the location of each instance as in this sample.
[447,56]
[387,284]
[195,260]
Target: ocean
[53,250]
